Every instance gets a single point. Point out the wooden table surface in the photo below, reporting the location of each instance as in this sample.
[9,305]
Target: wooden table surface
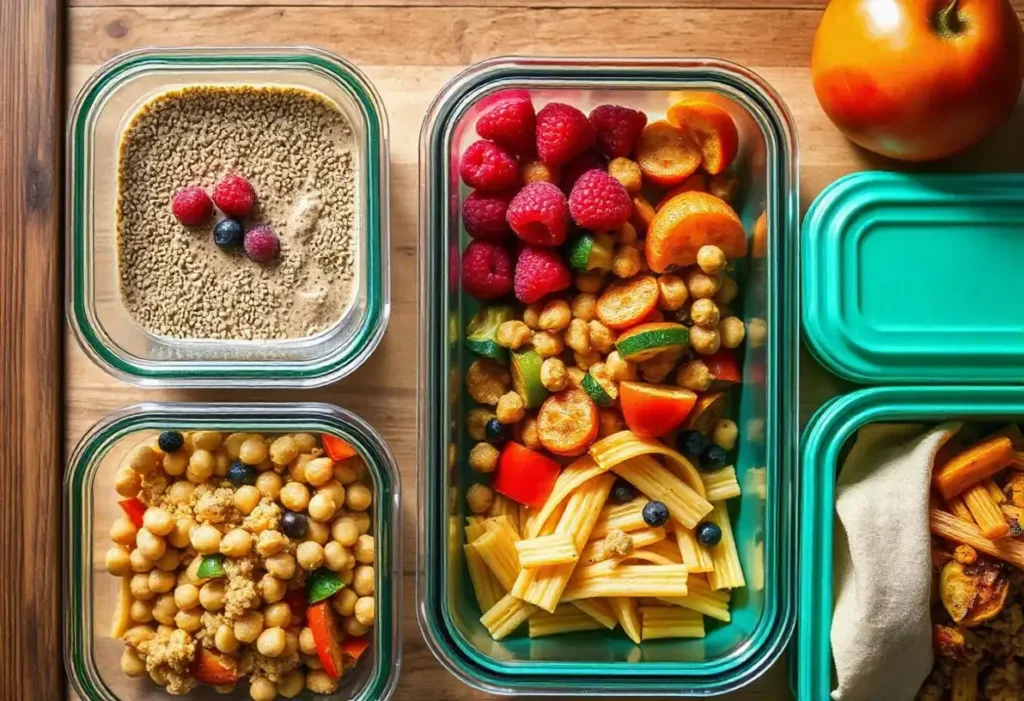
[408,49]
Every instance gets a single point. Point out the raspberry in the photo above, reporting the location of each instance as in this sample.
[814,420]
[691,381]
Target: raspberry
[483,214]
[234,196]
[191,206]
[487,166]
[486,270]
[618,129]
[539,215]
[510,123]
[588,160]
[261,244]
[539,272]
[563,132]
[599,202]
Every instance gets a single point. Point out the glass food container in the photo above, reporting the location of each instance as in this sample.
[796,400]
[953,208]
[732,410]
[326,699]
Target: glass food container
[101,323]
[606,662]
[92,657]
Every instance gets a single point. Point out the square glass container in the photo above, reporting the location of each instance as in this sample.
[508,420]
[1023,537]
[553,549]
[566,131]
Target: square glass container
[606,662]
[92,657]
[103,326]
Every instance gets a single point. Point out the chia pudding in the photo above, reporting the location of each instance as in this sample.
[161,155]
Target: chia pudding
[295,147]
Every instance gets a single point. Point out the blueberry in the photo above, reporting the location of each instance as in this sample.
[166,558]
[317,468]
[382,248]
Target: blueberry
[293,524]
[622,492]
[655,514]
[498,434]
[170,441]
[229,234]
[240,473]
[691,444]
[709,534]
[714,457]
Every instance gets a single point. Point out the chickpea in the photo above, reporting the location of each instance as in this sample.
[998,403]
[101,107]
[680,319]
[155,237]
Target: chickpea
[297,467]
[269,484]
[700,285]
[200,467]
[526,432]
[291,642]
[270,542]
[585,360]
[365,608]
[277,615]
[161,582]
[344,602]
[577,336]
[271,642]
[139,585]
[510,408]
[307,644]
[627,234]
[695,376]
[626,262]
[336,556]
[352,626]
[483,457]
[127,482]
[344,531]
[169,562]
[602,339]
[139,562]
[364,550]
[292,684]
[724,434]
[575,376]
[531,315]
[175,464]
[181,536]
[186,596]
[672,292]
[348,472]
[143,459]
[547,344]
[233,444]
[319,471]
[627,172]
[476,422]
[590,281]
[180,492]
[164,610]
[358,497]
[211,595]
[513,334]
[609,422]
[131,664]
[726,293]
[322,507]
[206,539]
[732,331]
[335,490]
[247,498]
[711,259]
[159,676]
[123,531]
[157,521]
[192,571]
[486,381]
[479,497]
[224,639]
[283,450]
[362,520]
[303,443]
[236,543]
[117,561]
[705,341]
[310,555]
[757,332]
[253,450]
[248,628]
[295,496]
[704,313]
[319,682]
[584,306]
[618,369]
[141,611]
[554,316]
[151,546]
[281,565]
[532,170]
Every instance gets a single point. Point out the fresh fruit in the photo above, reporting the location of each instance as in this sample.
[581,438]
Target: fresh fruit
[211,566]
[654,410]
[234,196]
[759,246]
[497,433]
[489,167]
[511,123]
[293,524]
[525,476]
[572,171]
[563,132]
[590,252]
[686,223]
[698,182]
[599,202]
[643,214]
[655,514]
[170,441]
[526,378]
[617,129]
[709,534]
[709,409]
[567,422]
[212,667]
[191,206]
[711,127]
[626,303]
[667,156]
[622,492]
[917,80]
[483,214]
[539,215]
[691,444]
[486,270]
[261,244]
[337,449]
[482,332]
[540,272]
[713,458]
[647,340]
[322,584]
[229,234]
[724,368]
[239,474]
[603,392]
[534,170]
[326,637]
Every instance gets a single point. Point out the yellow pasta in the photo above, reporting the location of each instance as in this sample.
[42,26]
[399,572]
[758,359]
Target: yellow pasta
[670,622]
[486,587]
[598,609]
[502,619]
[575,475]
[621,517]
[959,508]
[594,552]
[756,480]
[566,619]
[625,445]
[695,556]
[702,599]
[554,549]
[720,484]
[475,528]
[524,518]
[648,475]
[497,548]
[627,613]
[666,549]
[122,620]
[503,506]
[626,580]
[994,491]
[727,574]
[504,522]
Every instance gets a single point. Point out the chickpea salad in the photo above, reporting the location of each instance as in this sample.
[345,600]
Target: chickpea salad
[243,559]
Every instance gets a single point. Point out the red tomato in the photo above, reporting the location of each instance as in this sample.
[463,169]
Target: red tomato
[134,510]
[525,476]
[337,449]
[654,410]
[211,667]
[724,367]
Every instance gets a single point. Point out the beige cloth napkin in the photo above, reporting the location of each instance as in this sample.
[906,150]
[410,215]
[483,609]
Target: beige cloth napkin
[881,627]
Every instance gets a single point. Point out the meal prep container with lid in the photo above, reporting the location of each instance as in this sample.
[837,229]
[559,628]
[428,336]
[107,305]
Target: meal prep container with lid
[604,662]
[104,328]
[92,657]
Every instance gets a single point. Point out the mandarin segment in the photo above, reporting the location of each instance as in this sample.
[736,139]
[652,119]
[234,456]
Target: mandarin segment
[666,154]
[711,128]
[689,221]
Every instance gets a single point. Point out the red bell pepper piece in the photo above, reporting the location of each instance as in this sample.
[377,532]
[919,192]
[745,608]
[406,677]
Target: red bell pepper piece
[352,649]
[524,475]
[724,368]
[337,448]
[320,619]
[654,410]
[296,600]
[211,667]
[134,510]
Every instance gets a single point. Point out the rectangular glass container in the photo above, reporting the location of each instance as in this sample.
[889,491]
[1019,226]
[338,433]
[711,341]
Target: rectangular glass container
[97,316]
[604,662]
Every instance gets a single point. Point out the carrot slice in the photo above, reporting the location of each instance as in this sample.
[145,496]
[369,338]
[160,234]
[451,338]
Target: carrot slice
[667,156]
[643,214]
[713,130]
[627,303]
[698,182]
[567,422]
[974,465]
[686,223]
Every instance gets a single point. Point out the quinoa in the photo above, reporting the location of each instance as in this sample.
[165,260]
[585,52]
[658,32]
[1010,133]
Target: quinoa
[294,147]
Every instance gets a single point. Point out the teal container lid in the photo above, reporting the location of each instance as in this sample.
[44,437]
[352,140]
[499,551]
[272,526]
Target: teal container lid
[916,278]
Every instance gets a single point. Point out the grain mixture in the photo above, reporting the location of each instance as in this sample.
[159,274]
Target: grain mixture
[294,146]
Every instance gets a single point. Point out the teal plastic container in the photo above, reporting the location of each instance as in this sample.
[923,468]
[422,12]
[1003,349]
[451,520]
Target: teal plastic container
[603,663]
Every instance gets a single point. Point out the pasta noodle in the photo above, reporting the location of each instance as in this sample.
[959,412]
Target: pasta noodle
[986,512]
[626,580]
[555,549]
[952,528]
[565,619]
[720,484]
[667,549]
[573,476]
[598,609]
[650,477]
[727,573]
[502,619]
[594,552]
[627,613]
[695,556]
[503,506]
[624,445]
[670,622]
[703,599]
[486,586]
[497,548]
[620,517]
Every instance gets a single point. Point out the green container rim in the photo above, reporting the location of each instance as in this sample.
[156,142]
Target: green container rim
[437,298]
[79,663]
[223,374]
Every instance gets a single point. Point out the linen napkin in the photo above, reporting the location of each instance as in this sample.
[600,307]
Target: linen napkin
[881,625]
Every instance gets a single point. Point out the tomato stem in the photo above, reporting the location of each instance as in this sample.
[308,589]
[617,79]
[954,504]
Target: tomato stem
[948,22]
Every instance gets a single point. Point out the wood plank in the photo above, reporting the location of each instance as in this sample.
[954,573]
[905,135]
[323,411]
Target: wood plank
[1018,5]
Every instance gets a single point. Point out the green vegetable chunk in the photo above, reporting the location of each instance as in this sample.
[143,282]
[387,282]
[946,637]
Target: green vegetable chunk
[603,394]
[526,378]
[211,566]
[591,253]
[482,332]
[323,584]
[645,341]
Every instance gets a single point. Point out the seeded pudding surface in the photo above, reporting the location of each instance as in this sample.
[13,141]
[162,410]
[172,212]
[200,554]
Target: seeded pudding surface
[295,148]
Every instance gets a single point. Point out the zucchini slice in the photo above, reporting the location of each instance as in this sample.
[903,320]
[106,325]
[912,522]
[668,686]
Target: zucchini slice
[591,252]
[603,393]
[482,332]
[526,378]
[645,341]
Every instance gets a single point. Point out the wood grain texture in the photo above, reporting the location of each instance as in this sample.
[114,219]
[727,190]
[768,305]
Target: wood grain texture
[30,349]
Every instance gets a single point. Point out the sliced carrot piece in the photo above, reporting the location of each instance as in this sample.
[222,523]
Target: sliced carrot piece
[567,422]
[689,221]
[667,156]
[627,303]
[759,246]
[698,182]
[977,463]
[643,214]
[713,130]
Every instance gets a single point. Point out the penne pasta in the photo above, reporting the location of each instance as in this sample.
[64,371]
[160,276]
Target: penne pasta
[985,511]
[670,622]
[703,599]
[666,549]
[627,613]
[486,587]
[594,551]
[598,609]
[626,580]
[646,474]
[505,523]
[957,506]
[475,528]
[566,619]
[625,445]
[620,517]
[524,518]
[727,572]
[994,491]
[572,477]
[950,527]
[503,506]
[502,619]
[497,548]
[554,549]
[695,556]
[720,484]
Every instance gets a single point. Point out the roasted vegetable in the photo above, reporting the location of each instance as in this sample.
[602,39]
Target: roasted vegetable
[973,465]
[974,593]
